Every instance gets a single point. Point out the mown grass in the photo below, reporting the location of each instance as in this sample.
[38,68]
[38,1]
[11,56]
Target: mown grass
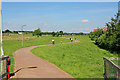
[14,43]
[82,60]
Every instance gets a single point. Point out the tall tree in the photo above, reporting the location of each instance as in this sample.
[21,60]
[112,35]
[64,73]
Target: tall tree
[7,31]
[37,32]
[53,34]
[61,33]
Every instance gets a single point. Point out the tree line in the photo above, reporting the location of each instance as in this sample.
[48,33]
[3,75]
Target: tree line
[57,34]
[109,39]
[38,33]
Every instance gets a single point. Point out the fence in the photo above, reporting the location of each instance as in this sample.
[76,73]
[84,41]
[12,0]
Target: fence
[4,67]
[112,70]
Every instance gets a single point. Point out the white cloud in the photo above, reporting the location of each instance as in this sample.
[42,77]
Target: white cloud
[84,20]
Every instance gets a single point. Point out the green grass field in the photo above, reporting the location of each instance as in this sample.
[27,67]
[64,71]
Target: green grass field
[13,43]
[81,60]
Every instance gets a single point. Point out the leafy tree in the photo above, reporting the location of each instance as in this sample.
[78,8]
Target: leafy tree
[81,33]
[7,31]
[65,33]
[61,33]
[96,34]
[109,39]
[53,34]
[57,34]
[37,32]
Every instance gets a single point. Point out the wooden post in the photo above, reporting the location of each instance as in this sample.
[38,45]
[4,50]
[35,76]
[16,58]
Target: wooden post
[107,63]
[106,69]
[118,75]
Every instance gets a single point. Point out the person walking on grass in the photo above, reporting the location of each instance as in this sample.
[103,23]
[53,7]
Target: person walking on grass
[61,41]
[53,42]
[71,40]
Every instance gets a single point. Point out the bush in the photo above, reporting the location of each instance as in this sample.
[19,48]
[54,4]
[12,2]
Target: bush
[109,39]
[37,32]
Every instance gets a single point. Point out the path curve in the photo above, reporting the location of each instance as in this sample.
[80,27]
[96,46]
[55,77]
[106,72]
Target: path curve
[24,58]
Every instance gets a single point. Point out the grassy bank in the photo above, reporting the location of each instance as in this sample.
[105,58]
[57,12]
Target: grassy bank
[13,43]
[81,60]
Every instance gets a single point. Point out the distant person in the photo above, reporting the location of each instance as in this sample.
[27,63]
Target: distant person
[70,38]
[53,42]
[61,42]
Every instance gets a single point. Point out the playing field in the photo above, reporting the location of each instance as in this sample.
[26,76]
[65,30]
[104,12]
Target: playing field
[82,60]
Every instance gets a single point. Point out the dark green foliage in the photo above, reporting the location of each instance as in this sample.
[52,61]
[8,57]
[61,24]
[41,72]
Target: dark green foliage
[37,32]
[109,39]
[96,34]
[46,33]
[57,34]
[53,34]
[7,31]
[81,33]
[25,32]
[61,33]
[65,33]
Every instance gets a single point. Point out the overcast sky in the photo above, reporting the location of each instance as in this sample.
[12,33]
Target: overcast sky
[55,16]
[60,0]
